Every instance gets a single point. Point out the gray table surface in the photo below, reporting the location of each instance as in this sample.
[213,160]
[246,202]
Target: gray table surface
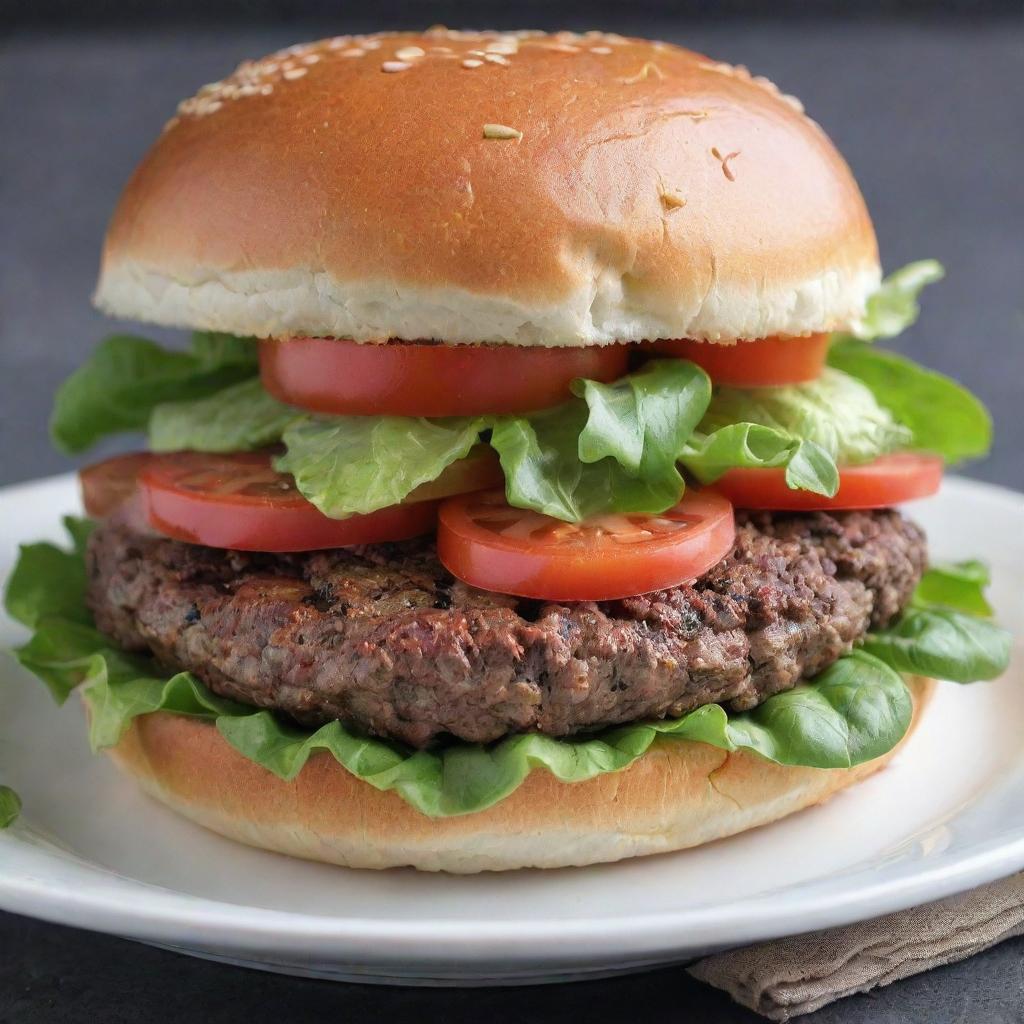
[930,116]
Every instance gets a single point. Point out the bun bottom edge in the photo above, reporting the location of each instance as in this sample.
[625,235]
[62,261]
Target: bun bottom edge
[679,794]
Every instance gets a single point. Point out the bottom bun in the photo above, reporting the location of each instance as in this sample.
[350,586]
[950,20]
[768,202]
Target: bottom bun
[679,794]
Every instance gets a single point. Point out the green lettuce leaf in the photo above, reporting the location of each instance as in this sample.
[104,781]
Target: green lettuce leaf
[941,416]
[643,420]
[855,710]
[241,417]
[64,654]
[893,307]
[942,643]
[127,377]
[10,806]
[79,530]
[957,585]
[750,445]
[358,464]
[612,449]
[836,412]
[543,471]
[47,581]
[116,696]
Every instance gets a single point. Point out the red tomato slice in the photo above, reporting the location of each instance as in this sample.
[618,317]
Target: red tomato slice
[412,379]
[108,485]
[887,481]
[767,362]
[239,501]
[488,544]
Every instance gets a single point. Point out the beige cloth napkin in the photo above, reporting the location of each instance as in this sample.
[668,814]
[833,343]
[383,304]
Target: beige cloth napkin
[790,977]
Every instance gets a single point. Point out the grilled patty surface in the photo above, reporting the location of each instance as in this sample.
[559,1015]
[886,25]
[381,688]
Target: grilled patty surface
[384,639]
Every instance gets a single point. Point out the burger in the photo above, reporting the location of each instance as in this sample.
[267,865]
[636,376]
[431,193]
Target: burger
[528,492]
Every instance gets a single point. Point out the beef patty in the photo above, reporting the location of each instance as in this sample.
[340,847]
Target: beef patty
[386,640]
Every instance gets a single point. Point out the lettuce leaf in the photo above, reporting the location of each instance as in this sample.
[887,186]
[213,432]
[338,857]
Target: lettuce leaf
[612,449]
[643,420]
[946,632]
[33,592]
[10,806]
[855,710]
[878,403]
[943,643]
[127,377]
[838,413]
[893,307]
[941,416]
[957,585]
[357,464]
[63,654]
[750,445]
[241,417]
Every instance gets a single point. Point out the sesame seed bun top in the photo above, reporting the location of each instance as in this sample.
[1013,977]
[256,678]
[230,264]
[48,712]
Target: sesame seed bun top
[523,188]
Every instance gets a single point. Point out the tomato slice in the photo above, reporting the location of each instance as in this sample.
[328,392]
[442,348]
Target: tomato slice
[416,379]
[887,481]
[108,485]
[488,544]
[766,362]
[239,501]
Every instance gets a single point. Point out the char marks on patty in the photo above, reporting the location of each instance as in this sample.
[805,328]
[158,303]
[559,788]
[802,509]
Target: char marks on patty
[384,639]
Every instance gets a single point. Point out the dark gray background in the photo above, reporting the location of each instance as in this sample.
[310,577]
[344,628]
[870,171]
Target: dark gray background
[929,112]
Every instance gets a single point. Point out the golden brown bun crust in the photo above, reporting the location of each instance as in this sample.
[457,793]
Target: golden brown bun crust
[679,794]
[654,193]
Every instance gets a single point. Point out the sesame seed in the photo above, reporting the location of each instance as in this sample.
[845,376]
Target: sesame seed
[266,90]
[410,52]
[645,72]
[601,49]
[502,47]
[371,44]
[501,131]
[562,48]
[311,58]
[724,161]
[472,63]
[292,73]
[496,58]
[392,66]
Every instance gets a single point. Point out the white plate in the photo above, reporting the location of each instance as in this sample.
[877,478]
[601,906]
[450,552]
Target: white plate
[90,851]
